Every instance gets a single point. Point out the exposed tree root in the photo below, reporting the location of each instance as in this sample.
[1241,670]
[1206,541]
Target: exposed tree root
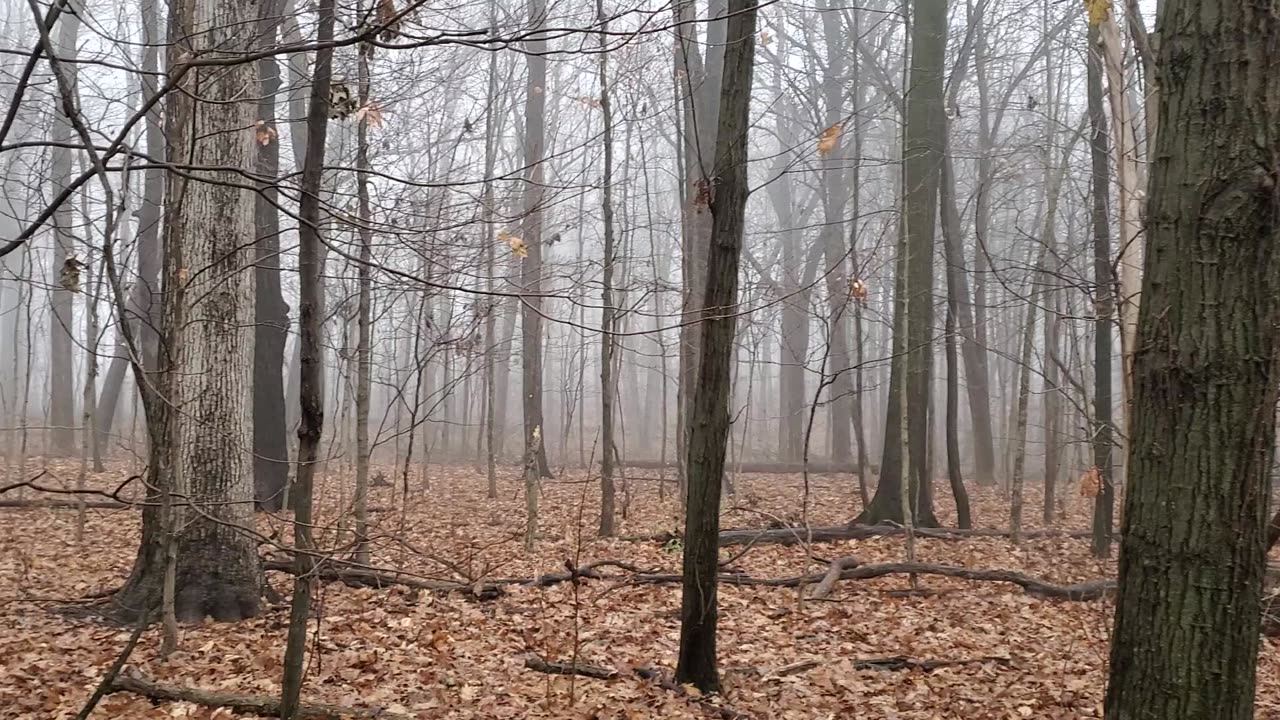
[837,533]
[250,704]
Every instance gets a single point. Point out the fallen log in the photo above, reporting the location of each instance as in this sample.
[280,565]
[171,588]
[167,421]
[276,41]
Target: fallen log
[248,704]
[838,533]
[819,467]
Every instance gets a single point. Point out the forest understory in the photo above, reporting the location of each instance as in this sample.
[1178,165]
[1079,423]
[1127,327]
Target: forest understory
[874,648]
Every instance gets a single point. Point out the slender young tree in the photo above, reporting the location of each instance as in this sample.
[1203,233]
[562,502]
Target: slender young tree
[271,313]
[311,372]
[61,385]
[924,140]
[1104,304]
[1193,547]
[364,310]
[607,322]
[535,107]
[709,422]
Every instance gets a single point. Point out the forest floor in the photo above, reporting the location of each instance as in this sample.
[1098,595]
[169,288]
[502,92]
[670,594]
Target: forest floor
[447,655]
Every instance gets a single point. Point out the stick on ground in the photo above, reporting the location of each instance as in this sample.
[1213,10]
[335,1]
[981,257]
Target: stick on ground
[251,704]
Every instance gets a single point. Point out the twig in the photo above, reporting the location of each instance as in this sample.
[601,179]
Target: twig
[109,679]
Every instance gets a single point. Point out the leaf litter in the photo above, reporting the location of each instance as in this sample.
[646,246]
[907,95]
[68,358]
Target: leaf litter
[446,655]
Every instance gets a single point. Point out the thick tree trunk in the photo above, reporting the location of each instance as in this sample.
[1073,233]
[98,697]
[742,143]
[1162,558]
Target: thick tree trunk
[709,422]
[271,314]
[1193,548]
[209,304]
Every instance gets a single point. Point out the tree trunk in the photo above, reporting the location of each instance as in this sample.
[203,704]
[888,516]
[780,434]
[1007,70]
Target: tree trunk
[364,309]
[1193,548]
[924,142]
[208,304]
[311,373]
[1104,305]
[709,422]
[531,232]
[62,404]
[835,193]
[607,341]
[271,314]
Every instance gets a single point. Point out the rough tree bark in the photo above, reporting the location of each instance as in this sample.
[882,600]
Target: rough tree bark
[709,422]
[208,303]
[1193,548]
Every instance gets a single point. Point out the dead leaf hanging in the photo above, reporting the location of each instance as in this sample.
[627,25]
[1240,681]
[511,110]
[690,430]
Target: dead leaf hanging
[1091,483]
[702,194]
[515,242]
[264,133]
[857,290]
[387,19]
[371,115]
[829,138]
[70,275]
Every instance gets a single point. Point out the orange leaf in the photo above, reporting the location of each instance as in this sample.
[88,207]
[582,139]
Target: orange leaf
[829,138]
[1091,483]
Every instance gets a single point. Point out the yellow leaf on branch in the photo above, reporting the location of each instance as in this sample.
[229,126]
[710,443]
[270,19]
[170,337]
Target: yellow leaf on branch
[1098,10]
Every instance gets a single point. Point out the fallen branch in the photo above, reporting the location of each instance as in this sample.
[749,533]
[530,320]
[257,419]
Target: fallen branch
[478,589]
[66,504]
[828,582]
[848,569]
[900,662]
[249,704]
[838,533]
[600,672]
[896,662]
[773,468]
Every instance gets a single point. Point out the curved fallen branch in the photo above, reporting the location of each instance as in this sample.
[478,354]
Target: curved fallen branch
[838,533]
[846,568]
[249,704]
